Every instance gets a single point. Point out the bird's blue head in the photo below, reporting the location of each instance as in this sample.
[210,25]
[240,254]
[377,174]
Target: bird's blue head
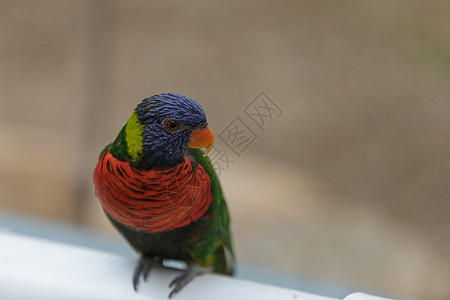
[161,129]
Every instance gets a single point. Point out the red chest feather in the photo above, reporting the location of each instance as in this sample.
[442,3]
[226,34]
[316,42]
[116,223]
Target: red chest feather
[155,200]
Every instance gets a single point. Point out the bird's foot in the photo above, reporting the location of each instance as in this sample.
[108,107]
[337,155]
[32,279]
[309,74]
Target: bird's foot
[143,267]
[184,278]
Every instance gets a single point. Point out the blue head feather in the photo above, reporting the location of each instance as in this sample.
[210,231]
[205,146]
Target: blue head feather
[162,149]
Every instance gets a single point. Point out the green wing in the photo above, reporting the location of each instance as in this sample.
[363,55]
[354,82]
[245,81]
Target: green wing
[224,257]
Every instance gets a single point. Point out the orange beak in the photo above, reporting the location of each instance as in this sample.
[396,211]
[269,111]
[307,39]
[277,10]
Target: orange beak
[203,138]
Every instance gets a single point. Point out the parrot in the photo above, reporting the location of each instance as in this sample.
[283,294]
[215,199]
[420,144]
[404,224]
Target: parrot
[160,191]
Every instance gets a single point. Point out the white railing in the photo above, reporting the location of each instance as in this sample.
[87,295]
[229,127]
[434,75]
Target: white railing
[32,268]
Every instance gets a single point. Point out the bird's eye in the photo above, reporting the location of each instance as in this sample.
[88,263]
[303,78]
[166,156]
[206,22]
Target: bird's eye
[171,124]
[202,125]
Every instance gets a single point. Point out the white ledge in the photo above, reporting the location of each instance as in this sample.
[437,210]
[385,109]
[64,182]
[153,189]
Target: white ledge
[32,268]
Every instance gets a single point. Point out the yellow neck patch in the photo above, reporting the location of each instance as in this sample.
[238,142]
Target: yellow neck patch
[133,137]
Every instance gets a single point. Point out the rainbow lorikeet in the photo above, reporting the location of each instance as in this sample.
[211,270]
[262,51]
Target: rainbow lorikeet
[161,192]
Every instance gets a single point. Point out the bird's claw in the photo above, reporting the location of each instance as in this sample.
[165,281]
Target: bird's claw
[143,267]
[187,276]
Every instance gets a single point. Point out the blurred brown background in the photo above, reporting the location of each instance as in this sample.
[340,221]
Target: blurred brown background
[349,185]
